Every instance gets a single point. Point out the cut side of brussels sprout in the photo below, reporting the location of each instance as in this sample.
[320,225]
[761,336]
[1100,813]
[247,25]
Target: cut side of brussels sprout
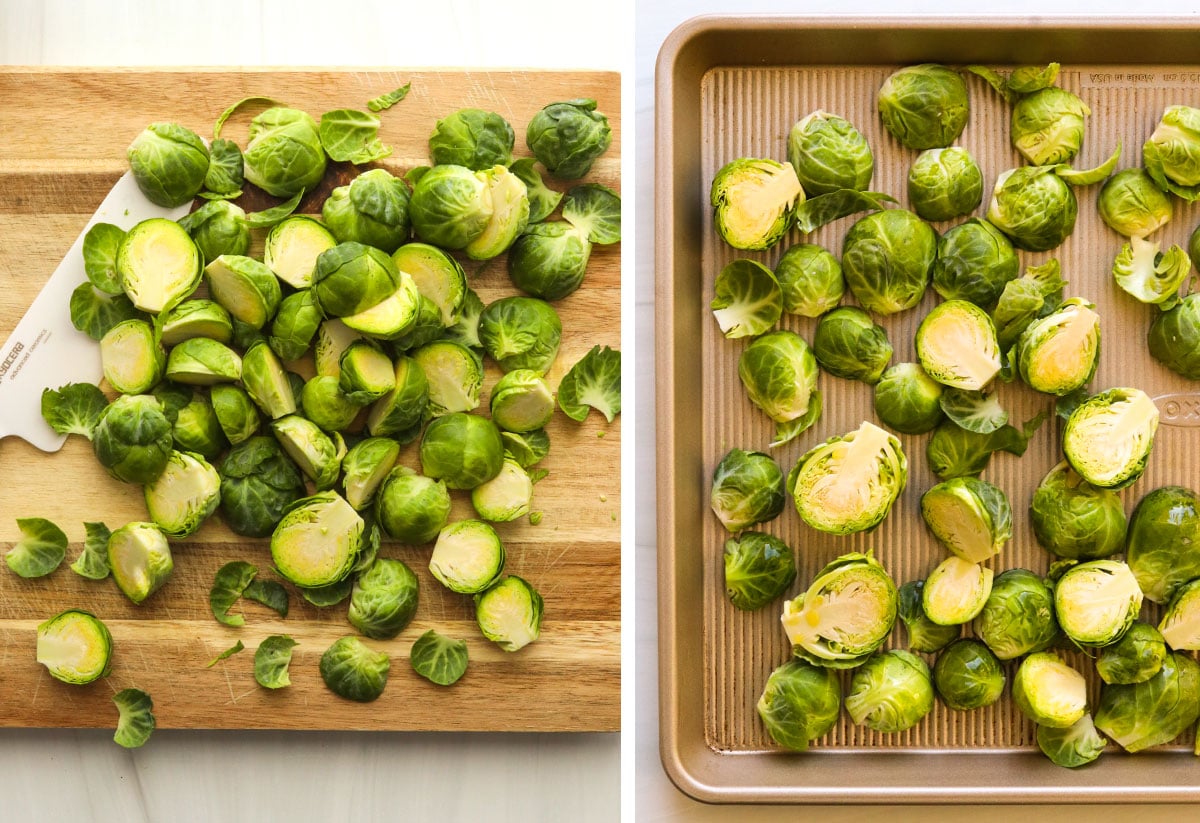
[438,276]
[1180,625]
[366,373]
[292,249]
[510,214]
[1049,692]
[970,517]
[265,380]
[506,496]
[365,466]
[159,265]
[184,495]
[956,344]
[318,540]
[467,557]
[510,613]
[454,374]
[1096,602]
[923,634]
[196,318]
[317,454]
[333,338]
[246,288]
[956,591]
[521,401]
[140,559]
[753,200]
[390,317]
[199,361]
[131,359]
[800,703]
[1108,438]
[75,647]
[1058,353]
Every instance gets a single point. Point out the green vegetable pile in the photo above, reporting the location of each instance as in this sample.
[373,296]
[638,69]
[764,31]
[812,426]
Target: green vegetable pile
[278,390]
[993,325]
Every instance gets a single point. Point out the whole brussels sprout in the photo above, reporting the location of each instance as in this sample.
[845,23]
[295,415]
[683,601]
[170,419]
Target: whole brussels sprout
[1136,657]
[284,155]
[1074,519]
[848,344]
[353,670]
[258,483]
[567,137]
[384,599]
[747,489]
[218,227]
[1163,543]
[1049,692]
[810,279]
[799,703]
[758,569]
[169,163]
[549,260]
[923,634]
[828,154]
[462,449]
[1097,601]
[1047,126]
[779,373]
[521,333]
[1171,154]
[450,206]
[412,508]
[957,346]
[968,676]
[1174,337]
[944,184]
[1018,617]
[753,202]
[235,411]
[132,438]
[1034,206]
[891,692]
[970,517]
[924,106]
[372,210]
[975,261]
[473,138]
[887,258]
[1058,353]
[197,429]
[352,277]
[1108,438]
[907,399]
[1133,205]
[1154,711]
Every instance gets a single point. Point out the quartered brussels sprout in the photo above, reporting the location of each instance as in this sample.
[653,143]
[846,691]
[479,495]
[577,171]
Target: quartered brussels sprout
[266,381]
[246,288]
[849,483]
[568,137]
[549,260]
[521,333]
[975,261]
[197,317]
[848,344]
[956,591]
[1149,275]
[1058,354]
[258,483]
[758,569]
[323,402]
[454,375]
[810,279]
[753,200]
[1171,155]
[957,346]
[438,276]
[400,412]
[1074,519]
[1154,711]
[131,359]
[384,599]
[1163,546]
[800,703]
[968,676]
[846,613]
[944,183]
[1097,601]
[1047,126]
[319,455]
[1018,617]
[510,214]
[451,206]
[907,399]
[1132,204]
[184,495]
[828,154]
[1049,692]
[1034,206]
[169,163]
[510,613]
[892,691]
[923,634]
[1074,746]
[197,429]
[924,106]
[1180,624]
[1136,657]
[132,438]
[468,556]
[218,227]
[1174,338]
[473,138]
[199,361]
[1108,438]
[75,647]
[365,466]
[412,508]
[747,489]
[462,449]
[235,412]
[887,258]
[159,265]
[747,299]
[140,559]
[506,496]
[353,670]
[318,540]
[521,401]
[372,210]
[970,517]
[284,155]
[292,249]
[351,277]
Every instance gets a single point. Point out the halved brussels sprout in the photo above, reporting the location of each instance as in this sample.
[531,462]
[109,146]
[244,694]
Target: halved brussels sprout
[779,372]
[366,373]
[1180,624]
[521,401]
[468,556]
[317,454]
[747,489]
[401,412]
[196,318]
[846,613]
[258,484]
[264,379]
[1096,602]
[391,317]
[473,138]
[132,438]
[169,163]
[1149,275]
[747,299]
[1163,547]
[848,344]
[968,676]
[800,703]
[454,374]
[1108,438]
[810,279]
[1018,617]
[412,508]
[944,183]
[567,137]
[292,249]
[318,540]
[521,333]
[1171,154]
[828,154]
[384,599]
[849,483]
[323,402]
[199,361]
[451,206]
[1058,354]
[462,449]
[758,569]
[753,200]
[350,278]
[140,559]
[970,517]
[1074,519]
[510,613]
[956,591]
[975,261]
[1034,206]
[957,346]
[235,411]
[131,359]
[1047,126]
[438,276]
[549,260]
[373,210]
[75,647]
[1155,711]
[510,214]
[924,106]
[908,400]
[923,634]
[184,495]
[218,227]
[887,258]
[284,155]
[159,265]
[1049,692]
[1133,205]
[1174,338]
[506,496]
[1136,657]
[890,692]
[353,670]
[366,465]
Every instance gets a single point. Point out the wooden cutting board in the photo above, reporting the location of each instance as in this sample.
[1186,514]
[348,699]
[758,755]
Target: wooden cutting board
[63,135]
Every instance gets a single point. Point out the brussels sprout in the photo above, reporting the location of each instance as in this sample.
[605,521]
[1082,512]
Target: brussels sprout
[1096,602]
[462,449]
[1049,692]
[973,411]
[226,171]
[1155,711]
[1047,126]
[968,676]
[506,496]
[318,540]
[439,659]
[265,380]
[169,163]
[199,361]
[438,277]
[317,454]
[1136,657]
[887,257]
[810,279]
[245,287]
[135,723]
[567,137]
[294,325]
[923,634]
[451,206]
[372,210]
[350,278]
[218,227]
[549,260]
[510,613]
[970,517]
[1132,205]
[465,329]
[521,401]
[890,692]
[1180,624]
[351,669]
[174,397]
[1035,294]
[366,465]
[1171,154]
[1034,206]
[753,200]
[292,249]
[1074,746]
[828,154]
[454,374]
[258,484]
[1108,438]
[1058,353]
[131,358]
[93,312]
[956,591]
[1163,546]
[975,261]
[907,399]
[323,402]
[510,214]
[800,702]
[847,344]
[846,613]
[924,107]
[425,328]
[473,138]
[140,559]
[848,484]
[235,411]
[75,647]
[1174,338]
[351,136]
[284,155]
[159,265]
[1018,617]
[758,569]
[1151,276]
[184,494]
[944,183]
[1074,519]
[401,412]
[391,318]
[526,448]
[196,318]
[384,599]
[779,372]
[412,508]
[468,556]
[132,438]
[957,346]
[520,333]
[245,336]
[101,244]
[747,489]
[366,373]
[748,300]
[953,451]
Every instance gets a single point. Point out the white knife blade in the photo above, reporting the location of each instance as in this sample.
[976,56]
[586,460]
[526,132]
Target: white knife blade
[45,350]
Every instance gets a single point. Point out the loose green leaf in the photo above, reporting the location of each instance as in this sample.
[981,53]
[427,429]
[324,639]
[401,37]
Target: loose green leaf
[1028,79]
[439,659]
[225,655]
[974,411]
[825,208]
[386,101]
[271,594]
[537,475]
[595,210]
[1068,403]
[92,562]
[352,136]
[543,200]
[231,581]
[39,551]
[136,721]
[996,80]
[94,312]
[271,661]
[276,214]
[245,101]
[536,517]
[593,381]
[74,408]
[225,170]
[1088,177]
[100,246]
[325,596]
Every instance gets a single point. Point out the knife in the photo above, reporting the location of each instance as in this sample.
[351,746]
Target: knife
[45,350]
